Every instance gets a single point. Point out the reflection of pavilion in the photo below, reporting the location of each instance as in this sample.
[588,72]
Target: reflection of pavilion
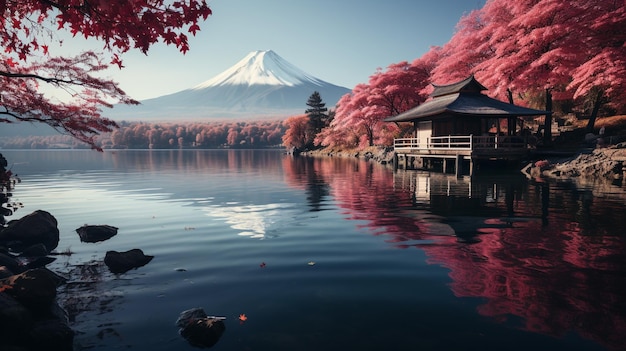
[526,264]
[544,271]
[468,206]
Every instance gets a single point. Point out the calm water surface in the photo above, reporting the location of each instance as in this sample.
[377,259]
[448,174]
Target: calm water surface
[331,254]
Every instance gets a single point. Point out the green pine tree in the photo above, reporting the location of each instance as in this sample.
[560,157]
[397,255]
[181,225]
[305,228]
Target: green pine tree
[318,115]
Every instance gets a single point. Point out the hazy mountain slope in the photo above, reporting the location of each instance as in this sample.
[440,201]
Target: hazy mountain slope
[261,84]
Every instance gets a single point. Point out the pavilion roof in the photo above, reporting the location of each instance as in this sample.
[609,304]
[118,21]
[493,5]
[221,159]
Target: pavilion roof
[463,98]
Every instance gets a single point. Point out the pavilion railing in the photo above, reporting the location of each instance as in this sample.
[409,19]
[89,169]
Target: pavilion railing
[461,142]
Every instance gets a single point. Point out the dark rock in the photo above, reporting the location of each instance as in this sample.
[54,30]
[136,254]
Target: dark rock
[34,288]
[96,233]
[15,319]
[121,262]
[37,262]
[37,227]
[10,263]
[188,316]
[56,278]
[58,313]
[51,334]
[5,272]
[204,332]
[35,250]
[199,329]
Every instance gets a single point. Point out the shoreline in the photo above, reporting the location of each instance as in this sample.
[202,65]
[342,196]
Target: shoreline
[596,165]
[585,166]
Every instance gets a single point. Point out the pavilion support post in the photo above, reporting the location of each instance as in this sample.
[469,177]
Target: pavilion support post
[458,167]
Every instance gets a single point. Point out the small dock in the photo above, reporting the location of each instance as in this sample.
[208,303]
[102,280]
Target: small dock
[458,154]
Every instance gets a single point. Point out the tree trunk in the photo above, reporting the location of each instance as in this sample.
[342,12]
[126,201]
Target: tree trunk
[547,127]
[594,112]
[509,94]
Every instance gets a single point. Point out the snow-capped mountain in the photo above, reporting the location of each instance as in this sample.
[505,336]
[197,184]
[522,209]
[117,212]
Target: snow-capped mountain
[261,84]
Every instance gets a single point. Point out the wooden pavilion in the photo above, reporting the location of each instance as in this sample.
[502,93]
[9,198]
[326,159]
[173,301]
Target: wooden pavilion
[461,124]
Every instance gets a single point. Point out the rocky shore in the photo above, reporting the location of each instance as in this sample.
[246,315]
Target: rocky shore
[31,315]
[382,155]
[599,165]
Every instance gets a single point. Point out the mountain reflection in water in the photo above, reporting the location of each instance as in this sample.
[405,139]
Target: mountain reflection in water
[542,255]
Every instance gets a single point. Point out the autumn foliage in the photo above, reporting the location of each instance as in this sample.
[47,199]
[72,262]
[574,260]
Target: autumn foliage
[167,135]
[522,51]
[29,31]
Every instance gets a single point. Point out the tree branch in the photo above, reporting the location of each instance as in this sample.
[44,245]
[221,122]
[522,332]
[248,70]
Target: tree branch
[38,77]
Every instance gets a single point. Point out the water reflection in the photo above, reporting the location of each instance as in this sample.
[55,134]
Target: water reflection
[255,221]
[302,172]
[181,161]
[544,257]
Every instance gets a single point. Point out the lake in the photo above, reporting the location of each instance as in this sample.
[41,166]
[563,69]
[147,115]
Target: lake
[330,253]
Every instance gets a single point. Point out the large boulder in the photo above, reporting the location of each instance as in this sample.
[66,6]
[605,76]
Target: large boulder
[37,227]
[51,334]
[122,262]
[10,263]
[15,319]
[96,233]
[36,289]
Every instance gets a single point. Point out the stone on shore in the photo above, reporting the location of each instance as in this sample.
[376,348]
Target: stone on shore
[36,289]
[96,233]
[35,250]
[602,164]
[15,318]
[10,263]
[34,228]
[51,334]
[122,262]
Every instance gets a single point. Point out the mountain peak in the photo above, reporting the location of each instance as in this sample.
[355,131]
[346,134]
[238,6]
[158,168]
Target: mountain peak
[261,67]
[261,84]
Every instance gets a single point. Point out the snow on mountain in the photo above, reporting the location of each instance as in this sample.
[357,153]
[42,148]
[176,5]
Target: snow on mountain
[261,68]
[262,84]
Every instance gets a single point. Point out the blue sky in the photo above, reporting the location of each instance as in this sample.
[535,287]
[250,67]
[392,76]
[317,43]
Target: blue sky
[340,41]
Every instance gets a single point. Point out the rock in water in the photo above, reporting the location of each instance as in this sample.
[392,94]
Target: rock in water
[199,329]
[37,227]
[188,316]
[122,262]
[96,233]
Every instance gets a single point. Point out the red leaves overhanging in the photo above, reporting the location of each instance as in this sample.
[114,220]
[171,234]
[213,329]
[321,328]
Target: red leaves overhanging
[121,25]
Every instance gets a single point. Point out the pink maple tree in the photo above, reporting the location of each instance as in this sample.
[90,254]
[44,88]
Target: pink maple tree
[297,131]
[468,47]
[359,116]
[541,49]
[27,63]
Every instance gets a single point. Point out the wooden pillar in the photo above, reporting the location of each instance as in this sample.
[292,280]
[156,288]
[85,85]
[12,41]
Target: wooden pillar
[458,167]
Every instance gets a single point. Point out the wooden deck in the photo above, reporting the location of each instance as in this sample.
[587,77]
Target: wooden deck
[463,150]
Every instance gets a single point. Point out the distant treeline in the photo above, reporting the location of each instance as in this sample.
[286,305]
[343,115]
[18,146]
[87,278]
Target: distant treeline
[140,135]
